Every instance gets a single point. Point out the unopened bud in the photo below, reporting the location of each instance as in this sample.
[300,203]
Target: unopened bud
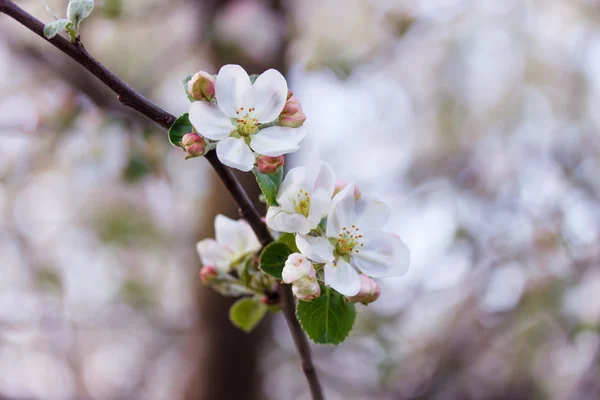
[269,165]
[306,289]
[297,267]
[194,144]
[341,184]
[292,115]
[208,273]
[369,291]
[202,86]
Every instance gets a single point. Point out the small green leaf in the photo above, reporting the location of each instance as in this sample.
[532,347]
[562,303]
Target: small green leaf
[246,313]
[52,29]
[328,319]
[290,240]
[78,10]
[273,258]
[180,127]
[51,12]
[269,184]
[184,83]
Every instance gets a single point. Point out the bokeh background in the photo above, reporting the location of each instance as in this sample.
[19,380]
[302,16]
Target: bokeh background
[476,120]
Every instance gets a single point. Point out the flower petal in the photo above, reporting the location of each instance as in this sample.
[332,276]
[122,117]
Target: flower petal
[280,221]
[371,214]
[317,249]
[269,93]
[236,235]
[233,89]
[235,153]
[277,140]
[213,253]
[294,181]
[320,206]
[382,255]
[321,176]
[342,277]
[343,213]
[209,121]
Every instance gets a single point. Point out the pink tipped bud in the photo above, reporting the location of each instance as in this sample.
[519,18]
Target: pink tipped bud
[194,144]
[369,291]
[208,273]
[297,267]
[341,184]
[202,86]
[306,289]
[269,165]
[292,115]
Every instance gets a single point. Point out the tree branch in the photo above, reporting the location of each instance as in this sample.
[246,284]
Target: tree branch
[129,97]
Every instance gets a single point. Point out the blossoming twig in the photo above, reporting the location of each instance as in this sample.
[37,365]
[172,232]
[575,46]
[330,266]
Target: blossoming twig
[129,97]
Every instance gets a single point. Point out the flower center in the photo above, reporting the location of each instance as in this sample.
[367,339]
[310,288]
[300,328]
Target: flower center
[302,204]
[348,241]
[245,122]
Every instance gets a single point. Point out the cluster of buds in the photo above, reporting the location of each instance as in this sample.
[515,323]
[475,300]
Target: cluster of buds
[269,165]
[300,273]
[194,144]
[292,114]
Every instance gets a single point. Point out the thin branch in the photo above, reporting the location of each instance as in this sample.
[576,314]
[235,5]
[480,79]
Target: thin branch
[129,97]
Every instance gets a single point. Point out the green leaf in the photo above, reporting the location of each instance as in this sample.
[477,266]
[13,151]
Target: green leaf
[52,29]
[78,10]
[51,12]
[290,240]
[328,319]
[269,184]
[273,258]
[180,127]
[246,313]
[184,83]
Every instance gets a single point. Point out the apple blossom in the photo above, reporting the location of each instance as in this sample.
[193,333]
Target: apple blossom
[201,86]
[234,240]
[194,144]
[369,291]
[304,199]
[236,117]
[306,289]
[341,184]
[269,165]
[355,241]
[296,267]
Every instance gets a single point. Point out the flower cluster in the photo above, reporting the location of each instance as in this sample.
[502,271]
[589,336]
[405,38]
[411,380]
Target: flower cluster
[245,120]
[339,235]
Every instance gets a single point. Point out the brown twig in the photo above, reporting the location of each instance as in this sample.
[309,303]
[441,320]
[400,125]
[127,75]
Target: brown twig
[130,98]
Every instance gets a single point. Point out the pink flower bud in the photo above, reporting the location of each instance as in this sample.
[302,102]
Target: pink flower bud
[297,267]
[194,144]
[292,115]
[202,86]
[208,273]
[341,184]
[306,289]
[269,165]
[369,291]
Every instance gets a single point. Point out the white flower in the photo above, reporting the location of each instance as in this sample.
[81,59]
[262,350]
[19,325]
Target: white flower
[234,239]
[234,119]
[304,199]
[297,266]
[306,289]
[355,241]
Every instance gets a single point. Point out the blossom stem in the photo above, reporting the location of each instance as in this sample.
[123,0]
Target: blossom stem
[129,97]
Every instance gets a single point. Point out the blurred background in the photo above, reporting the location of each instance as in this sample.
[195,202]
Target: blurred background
[477,121]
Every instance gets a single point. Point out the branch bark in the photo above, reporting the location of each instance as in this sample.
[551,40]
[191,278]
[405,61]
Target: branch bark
[130,98]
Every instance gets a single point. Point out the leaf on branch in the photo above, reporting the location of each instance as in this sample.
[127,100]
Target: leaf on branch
[78,10]
[184,83]
[290,240]
[328,319]
[246,313]
[269,184]
[52,29]
[273,258]
[180,127]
